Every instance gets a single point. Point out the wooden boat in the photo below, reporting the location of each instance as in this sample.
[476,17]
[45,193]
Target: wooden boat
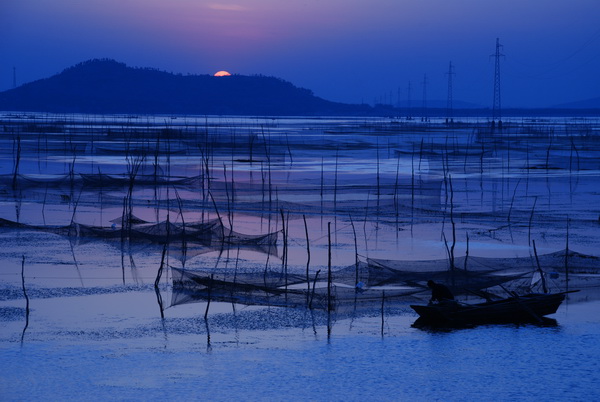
[527,308]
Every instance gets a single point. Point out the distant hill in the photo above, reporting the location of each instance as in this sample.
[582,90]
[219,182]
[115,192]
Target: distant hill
[593,103]
[107,86]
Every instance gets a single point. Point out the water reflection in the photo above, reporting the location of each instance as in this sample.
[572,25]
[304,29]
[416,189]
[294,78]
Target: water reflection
[428,326]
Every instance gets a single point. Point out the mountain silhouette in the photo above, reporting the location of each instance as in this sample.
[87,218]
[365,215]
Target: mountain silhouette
[105,86]
[108,86]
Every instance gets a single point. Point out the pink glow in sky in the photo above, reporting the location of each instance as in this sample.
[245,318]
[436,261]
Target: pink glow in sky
[343,50]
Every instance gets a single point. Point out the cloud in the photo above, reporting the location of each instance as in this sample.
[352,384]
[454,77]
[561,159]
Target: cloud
[227,7]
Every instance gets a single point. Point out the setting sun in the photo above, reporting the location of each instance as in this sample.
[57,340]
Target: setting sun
[221,73]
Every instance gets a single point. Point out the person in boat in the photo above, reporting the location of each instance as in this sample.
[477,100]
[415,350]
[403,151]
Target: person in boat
[439,292]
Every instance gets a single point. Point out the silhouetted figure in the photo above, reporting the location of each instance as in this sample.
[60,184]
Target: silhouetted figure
[439,292]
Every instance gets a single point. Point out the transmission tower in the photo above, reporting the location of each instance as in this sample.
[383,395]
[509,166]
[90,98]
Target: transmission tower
[449,105]
[497,105]
[408,102]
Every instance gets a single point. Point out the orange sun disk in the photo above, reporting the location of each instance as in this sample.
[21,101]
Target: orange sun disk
[221,73]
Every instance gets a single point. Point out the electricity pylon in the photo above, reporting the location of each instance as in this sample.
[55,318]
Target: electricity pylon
[449,103]
[497,105]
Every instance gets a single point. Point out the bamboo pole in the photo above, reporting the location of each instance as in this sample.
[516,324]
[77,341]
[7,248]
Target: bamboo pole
[284,256]
[16,164]
[329,268]
[467,252]
[452,222]
[312,295]
[378,181]
[412,190]
[530,220]
[229,212]
[382,311]
[567,254]
[322,180]
[157,281]
[335,182]
[160,268]
[421,154]
[355,251]
[308,257]
[512,201]
[26,298]
[218,216]
[396,203]
[210,284]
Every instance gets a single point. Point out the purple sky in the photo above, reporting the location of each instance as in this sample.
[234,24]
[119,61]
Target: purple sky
[344,50]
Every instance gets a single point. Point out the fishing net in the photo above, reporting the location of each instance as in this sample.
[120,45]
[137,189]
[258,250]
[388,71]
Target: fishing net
[106,180]
[368,284]
[270,288]
[210,234]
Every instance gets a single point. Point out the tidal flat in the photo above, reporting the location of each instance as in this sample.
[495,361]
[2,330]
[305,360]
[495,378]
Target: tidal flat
[99,213]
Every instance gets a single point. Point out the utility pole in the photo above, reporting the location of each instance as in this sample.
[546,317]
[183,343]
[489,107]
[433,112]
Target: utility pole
[449,105]
[424,106]
[497,105]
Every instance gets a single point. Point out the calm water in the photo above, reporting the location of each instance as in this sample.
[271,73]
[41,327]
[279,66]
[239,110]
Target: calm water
[356,363]
[95,330]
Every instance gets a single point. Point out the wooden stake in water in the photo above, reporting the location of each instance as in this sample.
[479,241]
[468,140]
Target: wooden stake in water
[420,153]
[26,298]
[218,216]
[530,220]
[512,201]
[284,256]
[329,268]
[355,251]
[335,182]
[378,180]
[312,295]
[396,206]
[308,258]
[322,179]
[229,202]
[183,237]
[157,281]
[467,252]
[567,254]
[382,311]
[17,160]
[210,284]
[452,222]
[412,191]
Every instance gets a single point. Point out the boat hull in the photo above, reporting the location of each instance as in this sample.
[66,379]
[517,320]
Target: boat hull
[527,308]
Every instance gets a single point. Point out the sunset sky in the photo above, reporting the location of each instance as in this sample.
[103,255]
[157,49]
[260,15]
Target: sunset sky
[344,50]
